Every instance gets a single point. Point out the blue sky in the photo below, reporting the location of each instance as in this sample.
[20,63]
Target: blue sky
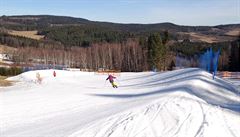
[182,12]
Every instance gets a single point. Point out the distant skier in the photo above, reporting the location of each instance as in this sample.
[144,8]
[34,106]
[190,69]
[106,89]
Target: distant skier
[39,79]
[110,78]
[54,74]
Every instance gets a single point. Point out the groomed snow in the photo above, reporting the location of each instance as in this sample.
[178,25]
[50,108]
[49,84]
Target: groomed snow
[181,103]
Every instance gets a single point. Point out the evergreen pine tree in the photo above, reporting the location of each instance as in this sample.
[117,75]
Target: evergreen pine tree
[156,52]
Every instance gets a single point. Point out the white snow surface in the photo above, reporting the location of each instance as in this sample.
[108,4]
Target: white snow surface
[181,103]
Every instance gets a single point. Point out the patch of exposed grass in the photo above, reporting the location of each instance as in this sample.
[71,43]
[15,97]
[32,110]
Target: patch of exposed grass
[4,82]
[234,32]
[28,34]
[8,49]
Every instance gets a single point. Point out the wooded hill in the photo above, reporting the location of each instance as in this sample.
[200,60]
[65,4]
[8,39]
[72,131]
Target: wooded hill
[88,44]
[103,31]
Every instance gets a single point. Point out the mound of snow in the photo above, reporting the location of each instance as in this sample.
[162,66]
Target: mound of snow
[173,115]
[182,103]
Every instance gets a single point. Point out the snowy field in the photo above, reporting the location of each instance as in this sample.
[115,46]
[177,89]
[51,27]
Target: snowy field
[181,103]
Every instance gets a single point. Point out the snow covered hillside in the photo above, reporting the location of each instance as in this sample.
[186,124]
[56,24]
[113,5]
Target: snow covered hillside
[181,103]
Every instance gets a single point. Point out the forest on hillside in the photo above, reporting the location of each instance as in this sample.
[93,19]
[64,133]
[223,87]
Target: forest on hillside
[99,45]
[131,55]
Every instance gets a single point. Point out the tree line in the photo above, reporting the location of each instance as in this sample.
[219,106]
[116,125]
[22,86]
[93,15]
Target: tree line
[84,36]
[125,57]
[133,54]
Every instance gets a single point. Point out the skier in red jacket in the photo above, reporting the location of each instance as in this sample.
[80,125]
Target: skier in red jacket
[110,78]
[54,74]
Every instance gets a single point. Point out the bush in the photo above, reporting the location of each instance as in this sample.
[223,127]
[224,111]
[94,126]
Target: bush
[10,71]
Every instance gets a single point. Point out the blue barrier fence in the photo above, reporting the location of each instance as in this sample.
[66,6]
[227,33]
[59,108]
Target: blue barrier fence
[209,61]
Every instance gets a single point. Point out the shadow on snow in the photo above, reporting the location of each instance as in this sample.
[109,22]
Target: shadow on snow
[218,98]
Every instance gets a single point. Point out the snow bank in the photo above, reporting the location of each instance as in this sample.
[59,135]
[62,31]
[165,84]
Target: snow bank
[174,115]
[181,103]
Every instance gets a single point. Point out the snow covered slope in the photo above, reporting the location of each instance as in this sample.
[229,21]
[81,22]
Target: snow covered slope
[181,103]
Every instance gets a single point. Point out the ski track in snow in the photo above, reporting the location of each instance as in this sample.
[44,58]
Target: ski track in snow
[181,103]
